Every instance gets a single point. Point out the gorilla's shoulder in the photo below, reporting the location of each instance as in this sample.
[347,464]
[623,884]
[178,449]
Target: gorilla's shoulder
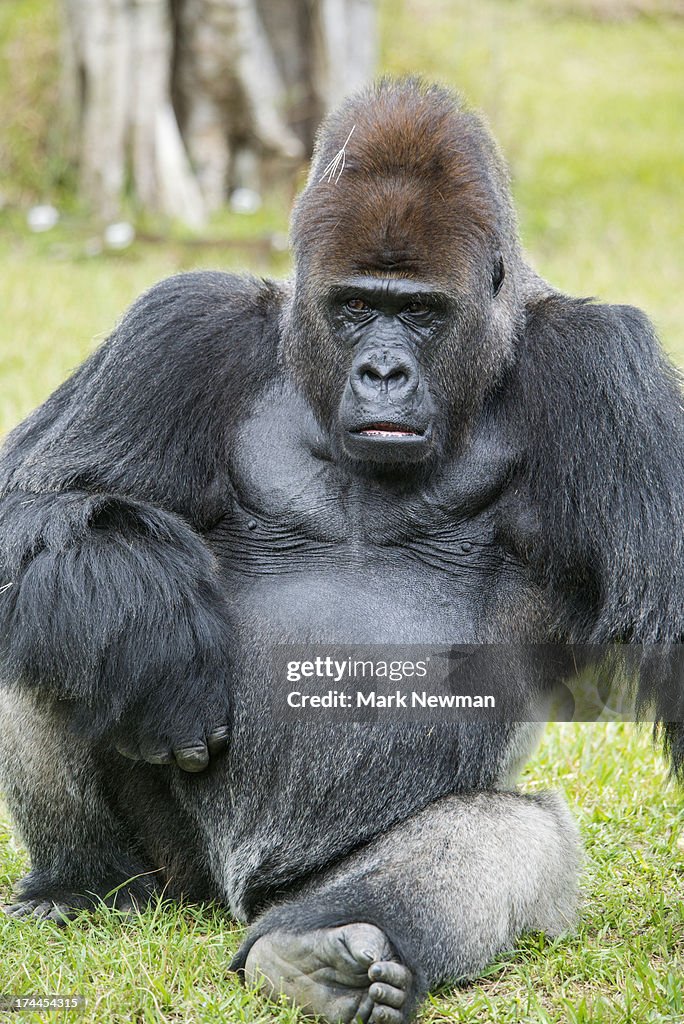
[592,379]
[583,354]
[563,329]
[206,315]
[203,289]
[196,349]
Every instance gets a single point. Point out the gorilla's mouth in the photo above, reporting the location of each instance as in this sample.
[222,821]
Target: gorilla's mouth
[383,441]
[387,430]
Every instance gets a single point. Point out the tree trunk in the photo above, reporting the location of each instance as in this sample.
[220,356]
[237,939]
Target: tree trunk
[163,178]
[346,48]
[181,101]
[99,46]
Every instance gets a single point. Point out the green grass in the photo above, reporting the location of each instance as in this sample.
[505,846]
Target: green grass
[57,303]
[589,114]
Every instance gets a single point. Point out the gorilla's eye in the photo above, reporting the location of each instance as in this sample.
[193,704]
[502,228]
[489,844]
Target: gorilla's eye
[357,305]
[498,274]
[416,308]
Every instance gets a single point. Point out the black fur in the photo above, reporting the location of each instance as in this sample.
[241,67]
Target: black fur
[605,409]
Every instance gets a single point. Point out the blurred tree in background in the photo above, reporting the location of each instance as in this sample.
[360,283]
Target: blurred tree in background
[180,102]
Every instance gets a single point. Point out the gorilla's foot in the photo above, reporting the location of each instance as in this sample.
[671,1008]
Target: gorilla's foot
[57,904]
[343,975]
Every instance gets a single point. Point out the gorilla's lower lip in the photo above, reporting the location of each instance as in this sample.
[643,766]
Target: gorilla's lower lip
[387,442]
[387,430]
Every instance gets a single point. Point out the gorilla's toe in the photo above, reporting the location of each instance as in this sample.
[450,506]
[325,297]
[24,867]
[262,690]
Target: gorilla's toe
[41,910]
[390,985]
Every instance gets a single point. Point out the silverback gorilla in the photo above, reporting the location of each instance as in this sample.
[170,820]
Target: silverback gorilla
[416,440]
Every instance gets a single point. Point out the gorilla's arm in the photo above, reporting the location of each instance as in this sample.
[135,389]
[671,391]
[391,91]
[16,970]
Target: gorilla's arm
[109,598]
[602,411]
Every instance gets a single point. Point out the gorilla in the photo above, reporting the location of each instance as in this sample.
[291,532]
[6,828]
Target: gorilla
[415,440]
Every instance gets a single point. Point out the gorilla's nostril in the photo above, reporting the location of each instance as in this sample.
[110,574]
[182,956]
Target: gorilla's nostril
[382,378]
[370,376]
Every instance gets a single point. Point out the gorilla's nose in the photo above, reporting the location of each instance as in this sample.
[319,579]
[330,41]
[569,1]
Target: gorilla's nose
[383,373]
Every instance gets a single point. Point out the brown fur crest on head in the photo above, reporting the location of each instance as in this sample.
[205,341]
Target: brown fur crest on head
[404,181]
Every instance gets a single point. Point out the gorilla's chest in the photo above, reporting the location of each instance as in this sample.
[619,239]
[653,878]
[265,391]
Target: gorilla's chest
[329,553]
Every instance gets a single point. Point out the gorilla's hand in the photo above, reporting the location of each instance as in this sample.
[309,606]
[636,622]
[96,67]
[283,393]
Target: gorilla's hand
[117,614]
[188,735]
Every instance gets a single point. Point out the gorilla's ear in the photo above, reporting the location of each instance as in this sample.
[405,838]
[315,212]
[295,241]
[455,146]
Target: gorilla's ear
[498,274]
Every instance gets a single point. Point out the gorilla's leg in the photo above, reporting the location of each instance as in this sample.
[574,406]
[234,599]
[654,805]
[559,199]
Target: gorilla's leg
[432,901]
[77,844]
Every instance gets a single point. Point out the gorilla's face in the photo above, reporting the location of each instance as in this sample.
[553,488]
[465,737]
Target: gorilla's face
[405,360]
[388,327]
[396,365]
[400,322]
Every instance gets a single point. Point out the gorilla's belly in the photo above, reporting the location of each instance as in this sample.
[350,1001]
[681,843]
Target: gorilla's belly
[291,796]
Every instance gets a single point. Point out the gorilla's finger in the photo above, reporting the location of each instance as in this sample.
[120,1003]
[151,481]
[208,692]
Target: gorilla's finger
[159,757]
[217,740]
[130,751]
[192,759]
